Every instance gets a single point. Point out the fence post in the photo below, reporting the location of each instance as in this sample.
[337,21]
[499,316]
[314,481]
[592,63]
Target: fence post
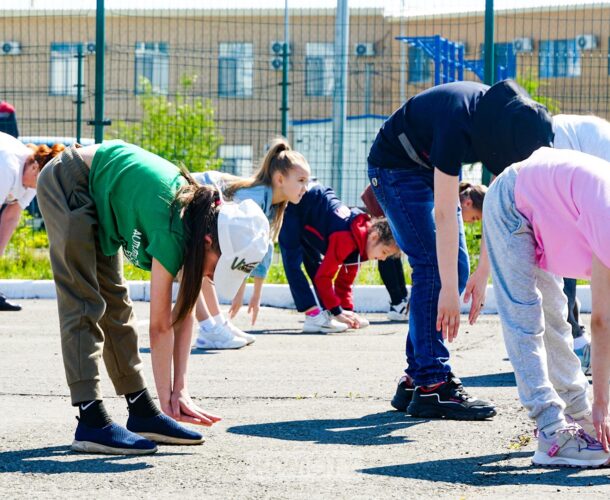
[285,67]
[489,76]
[79,91]
[100,43]
[340,94]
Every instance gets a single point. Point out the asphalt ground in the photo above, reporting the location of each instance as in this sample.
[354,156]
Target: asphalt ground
[304,416]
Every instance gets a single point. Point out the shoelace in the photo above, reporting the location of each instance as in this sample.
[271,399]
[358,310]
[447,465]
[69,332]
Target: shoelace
[577,432]
[459,389]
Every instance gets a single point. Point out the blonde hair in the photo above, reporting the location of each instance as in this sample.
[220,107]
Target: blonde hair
[280,157]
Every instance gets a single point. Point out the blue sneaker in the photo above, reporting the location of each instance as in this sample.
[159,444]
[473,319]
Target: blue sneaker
[163,429]
[584,354]
[111,440]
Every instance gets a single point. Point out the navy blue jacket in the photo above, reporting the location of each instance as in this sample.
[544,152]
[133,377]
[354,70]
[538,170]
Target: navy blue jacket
[324,224]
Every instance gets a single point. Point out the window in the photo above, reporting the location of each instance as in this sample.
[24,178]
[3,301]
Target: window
[319,69]
[505,59]
[419,65]
[64,69]
[152,67]
[559,58]
[236,160]
[235,70]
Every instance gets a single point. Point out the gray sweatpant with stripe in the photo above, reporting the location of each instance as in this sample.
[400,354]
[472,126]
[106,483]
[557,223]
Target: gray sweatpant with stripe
[533,312]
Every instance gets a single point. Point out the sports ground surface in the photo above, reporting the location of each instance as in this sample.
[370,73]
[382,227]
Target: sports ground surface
[305,416]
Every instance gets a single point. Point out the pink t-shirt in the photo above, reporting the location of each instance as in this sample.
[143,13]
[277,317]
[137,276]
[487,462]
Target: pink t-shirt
[565,195]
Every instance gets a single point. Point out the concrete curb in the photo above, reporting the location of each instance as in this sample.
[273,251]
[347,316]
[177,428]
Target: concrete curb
[369,298]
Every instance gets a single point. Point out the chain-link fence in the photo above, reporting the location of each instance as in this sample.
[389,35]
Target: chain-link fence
[221,70]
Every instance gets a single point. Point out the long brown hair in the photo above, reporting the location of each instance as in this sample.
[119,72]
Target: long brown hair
[476,192]
[200,206]
[43,154]
[280,157]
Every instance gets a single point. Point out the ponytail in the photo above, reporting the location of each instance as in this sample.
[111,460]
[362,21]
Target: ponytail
[280,157]
[200,207]
[475,192]
[43,154]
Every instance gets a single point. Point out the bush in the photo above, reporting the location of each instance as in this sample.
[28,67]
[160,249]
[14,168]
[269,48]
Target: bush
[179,131]
[26,256]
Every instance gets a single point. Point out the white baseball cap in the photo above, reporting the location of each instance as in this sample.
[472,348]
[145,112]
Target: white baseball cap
[243,235]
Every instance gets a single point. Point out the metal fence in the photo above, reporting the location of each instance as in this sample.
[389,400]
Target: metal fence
[329,88]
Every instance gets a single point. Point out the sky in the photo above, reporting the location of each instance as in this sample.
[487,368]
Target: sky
[391,7]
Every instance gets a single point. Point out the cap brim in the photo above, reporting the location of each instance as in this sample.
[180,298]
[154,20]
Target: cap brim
[227,280]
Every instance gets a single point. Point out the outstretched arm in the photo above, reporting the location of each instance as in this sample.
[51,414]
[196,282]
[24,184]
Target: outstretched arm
[446,201]
[600,348]
[9,221]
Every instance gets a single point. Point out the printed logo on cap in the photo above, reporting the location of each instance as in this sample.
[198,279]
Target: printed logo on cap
[243,266]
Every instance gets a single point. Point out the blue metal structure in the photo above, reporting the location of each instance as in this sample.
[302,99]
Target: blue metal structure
[449,61]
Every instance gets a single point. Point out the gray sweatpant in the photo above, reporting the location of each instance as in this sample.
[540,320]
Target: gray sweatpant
[533,312]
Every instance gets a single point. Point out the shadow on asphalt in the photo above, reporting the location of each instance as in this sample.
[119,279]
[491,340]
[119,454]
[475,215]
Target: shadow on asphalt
[194,351]
[492,470]
[491,380]
[61,460]
[370,430]
[282,331]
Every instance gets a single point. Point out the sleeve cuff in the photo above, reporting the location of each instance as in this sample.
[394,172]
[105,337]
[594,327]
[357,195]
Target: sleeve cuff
[335,311]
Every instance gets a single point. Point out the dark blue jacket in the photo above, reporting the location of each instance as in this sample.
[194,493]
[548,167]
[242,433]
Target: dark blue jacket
[324,224]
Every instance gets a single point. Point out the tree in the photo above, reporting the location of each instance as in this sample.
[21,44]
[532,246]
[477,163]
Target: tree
[532,85]
[183,132]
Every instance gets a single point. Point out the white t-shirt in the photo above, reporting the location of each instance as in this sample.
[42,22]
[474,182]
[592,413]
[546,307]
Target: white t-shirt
[13,154]
[588,134]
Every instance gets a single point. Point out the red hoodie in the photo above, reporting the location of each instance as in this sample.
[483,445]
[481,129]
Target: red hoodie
[340,245]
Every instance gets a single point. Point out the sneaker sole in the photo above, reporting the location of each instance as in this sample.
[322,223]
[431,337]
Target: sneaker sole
[91,447]
[163,439]
[543,459]
[209,348]
[397,317]
[450,414]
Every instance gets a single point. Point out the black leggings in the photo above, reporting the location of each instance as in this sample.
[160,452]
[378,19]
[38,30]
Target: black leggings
[569,288]
[393,278]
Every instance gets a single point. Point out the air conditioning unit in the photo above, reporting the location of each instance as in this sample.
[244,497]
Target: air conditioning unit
[523,45]
[364,49]
[90,48]
[276,48]
[586,42]
[10,48]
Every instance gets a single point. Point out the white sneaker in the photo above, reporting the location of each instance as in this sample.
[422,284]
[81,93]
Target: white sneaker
[220,337]
[399,312]
[569,446]
[586,422]
[249,338]
[323,323]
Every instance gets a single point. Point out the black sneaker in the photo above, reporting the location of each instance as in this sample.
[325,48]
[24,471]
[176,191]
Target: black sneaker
[449,400]
[5,305]
[404,394]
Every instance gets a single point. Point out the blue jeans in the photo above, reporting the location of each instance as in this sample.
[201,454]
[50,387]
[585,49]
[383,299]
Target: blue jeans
[407,198]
